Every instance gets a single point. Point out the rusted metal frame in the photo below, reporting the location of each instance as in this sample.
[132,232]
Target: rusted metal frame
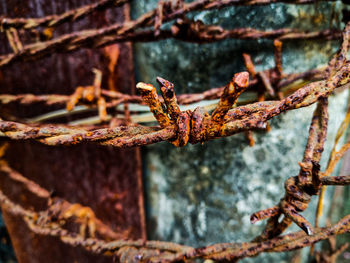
[29,185]
[56,20]
[128,32]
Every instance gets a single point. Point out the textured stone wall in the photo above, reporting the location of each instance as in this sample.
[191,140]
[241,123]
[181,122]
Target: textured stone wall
[202,194]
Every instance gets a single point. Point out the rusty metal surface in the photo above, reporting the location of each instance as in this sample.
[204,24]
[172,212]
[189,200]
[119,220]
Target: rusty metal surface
[63,72]
[106,179]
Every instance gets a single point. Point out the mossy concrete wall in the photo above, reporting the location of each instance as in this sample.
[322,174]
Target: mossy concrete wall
[203,194]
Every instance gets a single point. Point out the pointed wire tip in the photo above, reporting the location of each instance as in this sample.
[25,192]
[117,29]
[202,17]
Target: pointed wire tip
[253,219]
[307,229]
[164,82]
[144,86]
[261,125]
[241,79]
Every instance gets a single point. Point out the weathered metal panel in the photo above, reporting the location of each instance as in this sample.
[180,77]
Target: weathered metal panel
[106,179]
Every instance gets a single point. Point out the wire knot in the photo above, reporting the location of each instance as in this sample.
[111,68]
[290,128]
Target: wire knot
[196,125]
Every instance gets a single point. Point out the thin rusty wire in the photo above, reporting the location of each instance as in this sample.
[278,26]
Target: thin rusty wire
[183,29]
[180,127]
[309,182]
[116,97]
[239,119]
[42,223]
[56,20]
[81,12]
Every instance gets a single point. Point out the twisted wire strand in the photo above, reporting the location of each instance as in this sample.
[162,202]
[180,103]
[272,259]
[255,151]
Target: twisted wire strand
[56,20]
[182,99]
[180,127]
[299,189]
[130,31]
[81,12]
[242,118]
[158,251]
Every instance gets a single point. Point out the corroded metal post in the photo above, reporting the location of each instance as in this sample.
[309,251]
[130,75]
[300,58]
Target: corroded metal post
[106,179]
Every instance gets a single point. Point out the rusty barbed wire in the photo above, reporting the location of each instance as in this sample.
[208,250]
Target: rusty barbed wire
[58,211]
[81,12]
[119,33]
[299,189]
[56,20]
[203,128]
[116,97]
[184,29]
[239,119]
[43,223]
[333,160]
[180,127]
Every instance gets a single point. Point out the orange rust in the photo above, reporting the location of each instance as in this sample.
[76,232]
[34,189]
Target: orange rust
[90,94]
[48,32]
[278,57]
[112,52]
[184,129]
[230,95]
[102,112]
[167,89]
[75,97]
[250,138]
[249,64]
[299,189]
[150,97]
